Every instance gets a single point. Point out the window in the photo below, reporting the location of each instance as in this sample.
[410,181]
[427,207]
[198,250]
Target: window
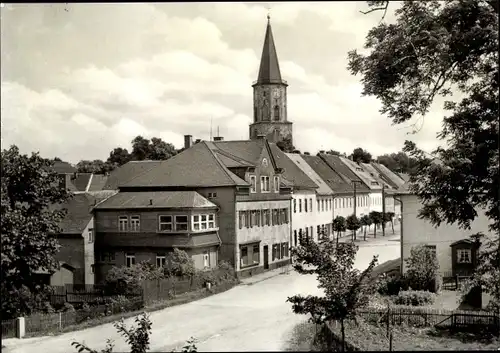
[212,195]
[135,223]
[300,205]
[243,256]
[307,232]
[264,184]
[203,222]
[91,235]
[343,202]
[330,204]
[318,230]
[206,259]
[123,223]
[253,218]
[322,205]
[165,223]
[253,184]
[161,260]
[284,250]
[285,215]
[92,268]
[374,183]
[256,254]
[258,218]
[266,216]
[432,248]
[181,223]
[275,217]
[276,184]
[294,206]
[241,216]
[311,230]
[107,257]
[211,221]
[310,205]
[129,259]
[464,256]
[317,204]
[359,169]
[305,205]
[295,237]
[276,113]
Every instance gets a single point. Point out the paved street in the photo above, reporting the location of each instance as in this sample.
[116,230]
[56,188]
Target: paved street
[249,317]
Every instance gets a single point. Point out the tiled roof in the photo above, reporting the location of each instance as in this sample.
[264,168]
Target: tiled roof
[97,182]
[336,183]
[323,188]
[404,176]
[248,151]
[291,171]
[156,199]
[127,172]
[336,163]
[362,175]
[78,215]
[374,173]
[393,179]
[61,167]
[79,181]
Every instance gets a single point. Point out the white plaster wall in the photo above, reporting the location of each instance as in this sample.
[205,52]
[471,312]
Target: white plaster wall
[417,231]
[88,252]
[324,217]
[302,219]
[376,201]
[268,235]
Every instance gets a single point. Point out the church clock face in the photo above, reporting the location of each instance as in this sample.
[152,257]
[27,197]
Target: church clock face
[276,93]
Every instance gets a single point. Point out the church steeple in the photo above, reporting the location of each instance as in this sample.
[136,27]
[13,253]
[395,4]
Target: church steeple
[269,71]
[270,96]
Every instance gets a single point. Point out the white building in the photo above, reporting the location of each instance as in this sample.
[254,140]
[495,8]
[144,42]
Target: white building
[455,251]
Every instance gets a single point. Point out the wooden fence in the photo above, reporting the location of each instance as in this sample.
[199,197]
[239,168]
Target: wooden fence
[163,289]
[8,328]
[84,293]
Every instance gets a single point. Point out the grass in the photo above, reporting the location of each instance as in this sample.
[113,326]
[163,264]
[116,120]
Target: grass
[301,339]
[179,300]
[409,339]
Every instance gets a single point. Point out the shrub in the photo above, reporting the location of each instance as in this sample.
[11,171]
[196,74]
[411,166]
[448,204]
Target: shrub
[85,307]
[391,285]
[68,307]
[179,264]
[128,280]
[423,269]
[414,298]
[47,308]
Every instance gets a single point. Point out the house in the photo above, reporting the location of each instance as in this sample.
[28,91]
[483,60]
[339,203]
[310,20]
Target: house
[244,181]
[126,172]
[392,179]
[387,186]
[322,210]
[455,251]
[147,225]
[76,240]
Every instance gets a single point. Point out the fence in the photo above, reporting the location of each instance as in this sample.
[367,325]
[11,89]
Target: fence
[81,293]
[163,289]
[423,317]
[8,328]
[38,323]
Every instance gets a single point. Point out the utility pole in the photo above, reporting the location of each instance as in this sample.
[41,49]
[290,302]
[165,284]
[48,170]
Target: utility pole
[355,183]
[383,209]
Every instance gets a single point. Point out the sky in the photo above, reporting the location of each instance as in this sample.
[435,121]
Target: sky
[78,80]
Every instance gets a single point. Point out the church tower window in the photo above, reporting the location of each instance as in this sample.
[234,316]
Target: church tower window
[276,113]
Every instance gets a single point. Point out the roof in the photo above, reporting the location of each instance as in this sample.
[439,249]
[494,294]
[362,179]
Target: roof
[334,181]
[363,175]
[246,151]
[97,182]
[291,171]
[375,174]
[127,172]
[393,179]
[155,199]
[61,167]
[323,188]
[269,70]
[336,163]
[78,215]
[197,166]
[79,181]
[404,176]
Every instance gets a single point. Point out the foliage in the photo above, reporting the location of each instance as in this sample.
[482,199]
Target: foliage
[179,264]
[346,289]
[28,190]
[365,221]
[398,162]
[390,218]
[48,308]
[376,218]
[353,224]
[119,156]
[154,149]
[391,285]
[359,155]
[223,273]
[286,145]
[423,269]
[339,225]
[138,338]
[96,166]
[68,307]
[128,280]
[441,49]
[414,298]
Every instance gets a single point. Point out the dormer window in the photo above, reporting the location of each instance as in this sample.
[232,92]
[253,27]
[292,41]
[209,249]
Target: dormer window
[374,183]
[253,184]
[358,169]
[276,183]
[264,184]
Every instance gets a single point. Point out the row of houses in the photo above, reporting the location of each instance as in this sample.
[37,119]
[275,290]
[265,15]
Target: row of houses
[245,202]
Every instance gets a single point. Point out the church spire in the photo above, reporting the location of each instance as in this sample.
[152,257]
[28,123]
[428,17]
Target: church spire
[269,71]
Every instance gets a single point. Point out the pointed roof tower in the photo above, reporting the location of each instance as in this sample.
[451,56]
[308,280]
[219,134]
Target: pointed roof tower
[269,71]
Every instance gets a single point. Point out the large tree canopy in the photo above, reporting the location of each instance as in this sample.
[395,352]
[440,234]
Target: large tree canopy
[154,149]
[359,155]
[443,48]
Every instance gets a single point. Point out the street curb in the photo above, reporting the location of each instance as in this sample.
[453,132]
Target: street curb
[262,280]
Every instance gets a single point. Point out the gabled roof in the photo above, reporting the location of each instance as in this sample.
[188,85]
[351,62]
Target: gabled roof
[336,163]
[79,181]
[269,70]
[329,176]
[247,151]
[78,215]
[362,174]
[61,167]
[155,199]
[126,172]
[404,176]
[197,166]
[323,188]
[375,174]
[97,182]
[291,171]
[395,180]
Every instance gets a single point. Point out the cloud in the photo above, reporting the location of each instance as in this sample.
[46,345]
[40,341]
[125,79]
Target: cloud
[81,82]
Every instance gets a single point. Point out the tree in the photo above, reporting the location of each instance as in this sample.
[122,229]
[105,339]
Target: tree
[28,224]
[346,290]
[359,155]
[128,280]
[390,218]
[441,49]
[57,159]
[423,269]
[366,221]
[156,149]
[179,264]
[339,225]
[353,224]
[96,166]
[398,162]
[376,218]
[286,145]
[119,156]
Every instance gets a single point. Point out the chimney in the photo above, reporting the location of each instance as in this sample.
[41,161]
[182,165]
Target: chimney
[151,202]
[188,141]
[218,138]
[261,137]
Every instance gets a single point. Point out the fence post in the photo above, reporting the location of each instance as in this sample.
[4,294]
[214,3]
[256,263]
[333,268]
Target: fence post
[20,327]
[60,321]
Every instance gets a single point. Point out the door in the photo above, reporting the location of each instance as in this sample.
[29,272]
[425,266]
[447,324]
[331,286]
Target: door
[266,257]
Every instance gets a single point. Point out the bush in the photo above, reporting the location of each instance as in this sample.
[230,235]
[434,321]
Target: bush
[391,285]
[68,307]
[128,280]
[423,269]
[47,308]
[414,298]
[179,264]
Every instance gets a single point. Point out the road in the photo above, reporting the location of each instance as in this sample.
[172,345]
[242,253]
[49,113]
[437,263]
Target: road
[246,318]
